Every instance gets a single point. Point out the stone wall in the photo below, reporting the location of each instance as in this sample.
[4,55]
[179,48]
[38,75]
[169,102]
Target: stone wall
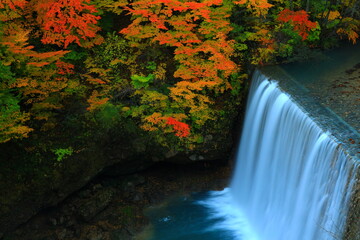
[352,230]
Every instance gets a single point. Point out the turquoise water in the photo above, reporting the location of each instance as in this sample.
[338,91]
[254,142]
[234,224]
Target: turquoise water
[325,65]
[186,218]
[293,180]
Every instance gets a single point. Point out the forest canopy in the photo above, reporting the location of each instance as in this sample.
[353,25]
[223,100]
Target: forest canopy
[163,66]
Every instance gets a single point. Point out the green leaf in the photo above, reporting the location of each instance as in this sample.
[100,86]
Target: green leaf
[151,66]
[141,81]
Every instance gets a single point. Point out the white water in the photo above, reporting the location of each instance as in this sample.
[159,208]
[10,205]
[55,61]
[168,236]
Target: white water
[291,182]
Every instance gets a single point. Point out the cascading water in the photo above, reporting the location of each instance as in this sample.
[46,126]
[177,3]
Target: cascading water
[291,182]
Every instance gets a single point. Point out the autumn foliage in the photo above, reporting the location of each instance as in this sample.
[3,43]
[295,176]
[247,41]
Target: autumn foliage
[164,65]
[299,20]
[42,76]
[197,31]
[67,21]
[181,129]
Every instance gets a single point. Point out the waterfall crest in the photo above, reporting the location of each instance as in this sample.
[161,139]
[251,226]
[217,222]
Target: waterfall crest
[292,181]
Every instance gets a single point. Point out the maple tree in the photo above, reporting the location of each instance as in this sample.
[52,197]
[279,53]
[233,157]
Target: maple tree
[67,21]
[257,7]
[36,87]
[11,9]
[299,20]
[349,28]
[197,35]
[80,77]
[33,81]
[42,77]
[12,119]
[173,59]
[197,31]
[181,129]
[345,26]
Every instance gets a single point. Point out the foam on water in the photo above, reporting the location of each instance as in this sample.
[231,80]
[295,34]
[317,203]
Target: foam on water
[291,182]
[232,218]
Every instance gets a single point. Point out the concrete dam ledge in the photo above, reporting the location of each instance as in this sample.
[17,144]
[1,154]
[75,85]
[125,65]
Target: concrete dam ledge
[327,89]
[335,125]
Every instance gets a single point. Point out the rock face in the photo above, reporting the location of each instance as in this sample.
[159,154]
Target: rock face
[89,208]
[112,208]
[113,154]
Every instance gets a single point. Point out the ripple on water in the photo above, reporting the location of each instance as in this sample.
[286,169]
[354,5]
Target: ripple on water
[201,216]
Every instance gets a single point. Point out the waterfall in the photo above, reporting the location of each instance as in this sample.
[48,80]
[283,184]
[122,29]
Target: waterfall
[292,181]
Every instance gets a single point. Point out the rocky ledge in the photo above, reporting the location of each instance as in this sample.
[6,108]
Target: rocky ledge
[112,208]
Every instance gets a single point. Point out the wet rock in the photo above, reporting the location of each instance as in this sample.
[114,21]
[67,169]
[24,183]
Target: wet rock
[51,237]
[88,208]
[139,145]
[129,183]
[53,221]
[77,232]
[138,179]
[112,209]
[171,153]
[96,187]
[120,234]
[84,194]
[62,220]
[155,159]
[94,234]
[138,197]
[116,153]
[62,234]
[196,157]
[193,157]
